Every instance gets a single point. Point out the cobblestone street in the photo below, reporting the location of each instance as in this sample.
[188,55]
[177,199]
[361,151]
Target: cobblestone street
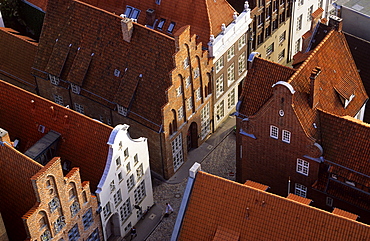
[220,162]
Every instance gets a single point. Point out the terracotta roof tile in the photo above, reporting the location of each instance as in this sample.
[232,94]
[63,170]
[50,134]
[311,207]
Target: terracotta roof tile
[216,202]
[224,234]
[345,214]
[257,185]
[17,54]
[299,199]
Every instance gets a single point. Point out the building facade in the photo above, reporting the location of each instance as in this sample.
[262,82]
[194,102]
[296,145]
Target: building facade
[125,190]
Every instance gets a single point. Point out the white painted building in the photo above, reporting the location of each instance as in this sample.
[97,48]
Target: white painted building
[301,21]
[229,53]
[125,189]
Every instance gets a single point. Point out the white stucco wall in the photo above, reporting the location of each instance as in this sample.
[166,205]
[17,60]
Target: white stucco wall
[118,142]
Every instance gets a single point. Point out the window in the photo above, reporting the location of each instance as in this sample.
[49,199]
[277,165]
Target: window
[274,132]
[275,24]
[241,42]
[230,53]
[300,2]
[231,99]
[46,236]
[205,122]
[117,197]
[161,23]
[187,82]
[125,210]
[54,204]
[281,55]
[198,94]
[158,2]
[59,224]
[220,111]
[116,72]
[299,22]
[122,110]
[54,80]
[300,190]
[189,103]
[219,64]
[112,186]
[75,207]
[107,211]
[171,27]
[179,90]
[139,172]
[177,152]
[73,233]
[298,45]
[58,99]
[282,37]
[94,236]
[181,113]
[125,153]
[320,4]
[302,167]
[79,108]
[270,49]
[130,182]
[241,63]
[139,193]
[286,136]
[267,31]
[118,161]
[132,12]
[219,85]
[136,159]
[196,73]
[329,201]
[309,12]
[259,21]
[75,89]
[87,219]
[128,167]
[120,178]
[230,74]
[186,62]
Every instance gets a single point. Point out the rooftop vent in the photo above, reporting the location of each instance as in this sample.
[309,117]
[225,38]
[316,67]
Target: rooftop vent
[127,29]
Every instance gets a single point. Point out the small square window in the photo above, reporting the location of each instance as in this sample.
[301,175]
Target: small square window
[117,72]
[274,132]
[122,110]
[120,178]
[54,80]
[118,161]
[241,42]
[136,159]
[286,136]
[58,99]
[300,190]
[302,167]
[128,167]
[126,153]
[219,64]
[230,53]
[79,108]
[139,172]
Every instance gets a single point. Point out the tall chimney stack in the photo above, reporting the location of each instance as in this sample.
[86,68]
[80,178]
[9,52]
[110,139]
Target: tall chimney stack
[335,23]
[127,28]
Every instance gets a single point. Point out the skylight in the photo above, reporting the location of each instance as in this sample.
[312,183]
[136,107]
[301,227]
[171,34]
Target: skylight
[171,27]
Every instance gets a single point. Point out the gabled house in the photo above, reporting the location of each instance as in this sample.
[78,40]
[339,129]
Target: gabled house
[214,208]
[281,123]
[126,183]
[116,70]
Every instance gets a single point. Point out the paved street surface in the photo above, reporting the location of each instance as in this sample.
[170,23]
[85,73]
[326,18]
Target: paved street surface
[220,161]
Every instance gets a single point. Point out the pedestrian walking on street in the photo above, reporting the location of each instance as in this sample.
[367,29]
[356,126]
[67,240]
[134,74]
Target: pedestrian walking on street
[133,233]
[169,210]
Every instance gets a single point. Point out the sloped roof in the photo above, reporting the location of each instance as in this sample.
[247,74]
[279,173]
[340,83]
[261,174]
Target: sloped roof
[38,3]
[17,54]
[17,193]
[83,140]
[84,45]
[258,84]
[205,17]
[219,204]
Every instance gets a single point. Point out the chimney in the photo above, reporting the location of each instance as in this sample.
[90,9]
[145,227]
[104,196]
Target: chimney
[335,23]
[127,28]
[313,84]
[150,17]
[4,137]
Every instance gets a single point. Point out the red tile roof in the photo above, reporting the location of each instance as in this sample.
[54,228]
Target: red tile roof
[17,55]
[217,205]
[90,49]
[345,214]
[83,140]
[205,17]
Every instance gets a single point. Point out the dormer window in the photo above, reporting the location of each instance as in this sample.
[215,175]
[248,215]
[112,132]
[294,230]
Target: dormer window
[117,72]
[171,27]
[54,80]
[344,96]
[132,12]
[161,23]
[75,89]
[122,110]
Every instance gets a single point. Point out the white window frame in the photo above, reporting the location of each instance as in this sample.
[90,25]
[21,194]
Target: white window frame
[309,12]
[187,82]
[231,99]
[177,152]
[54,80]
[297,45]
[219,64]
[140,172]
[140,193]
[180,113]
[241,63]
[274,132]
[205,121]
[75,89]
[230,53]
[189,103]
[117,197]
[220,111]
[58,99]
[198,94]
[242,41]
[303,167]
[299,22]
[286,136]
[125,210]
[300,190]
[79,108]
[130,182]
[219,85]
[282,37]
[230,74]
[122,110]
[270,49]
[186,62]
[196,73]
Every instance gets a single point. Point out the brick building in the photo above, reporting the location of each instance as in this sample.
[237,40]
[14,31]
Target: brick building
[215,208]
[118,71]
[296,127]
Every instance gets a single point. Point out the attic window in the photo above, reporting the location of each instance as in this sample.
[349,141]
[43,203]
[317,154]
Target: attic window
[53,79]
[161,23]
[171,27]
[132,12]
[122,110]
[75,89]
